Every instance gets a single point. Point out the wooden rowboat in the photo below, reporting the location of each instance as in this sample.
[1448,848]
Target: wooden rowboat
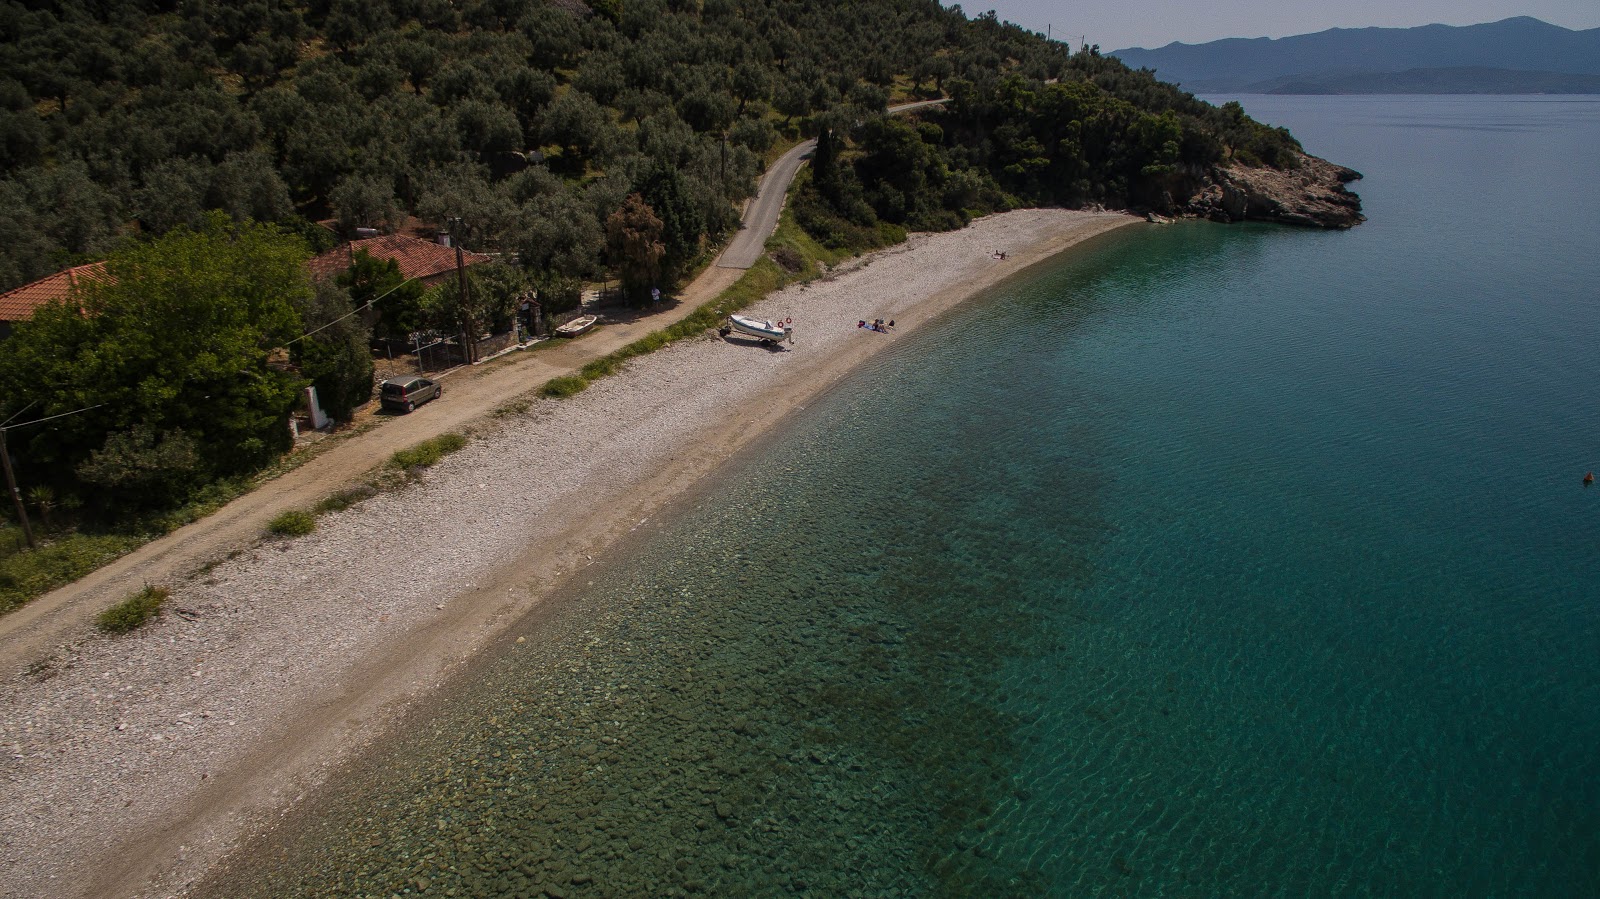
[577,326]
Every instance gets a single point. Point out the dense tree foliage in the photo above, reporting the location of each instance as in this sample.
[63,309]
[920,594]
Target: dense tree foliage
[177,358]
[377,285]
[533,120]
[334,355]
[634,240]
[576,138]
[1093,132]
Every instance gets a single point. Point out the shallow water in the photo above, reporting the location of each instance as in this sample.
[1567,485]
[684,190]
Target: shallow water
[1208,559]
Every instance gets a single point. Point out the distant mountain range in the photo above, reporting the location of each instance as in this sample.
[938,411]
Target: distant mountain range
[1514,56]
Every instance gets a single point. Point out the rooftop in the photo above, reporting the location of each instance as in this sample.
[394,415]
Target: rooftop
[417,258]
[19,304]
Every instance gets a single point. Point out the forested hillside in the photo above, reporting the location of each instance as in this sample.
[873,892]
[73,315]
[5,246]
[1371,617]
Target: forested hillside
[134,117]
[196,143]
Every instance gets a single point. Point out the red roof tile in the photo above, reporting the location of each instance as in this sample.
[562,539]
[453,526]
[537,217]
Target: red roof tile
[417,258]
[18,304]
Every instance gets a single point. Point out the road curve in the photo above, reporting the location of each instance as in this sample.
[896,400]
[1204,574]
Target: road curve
[761,215]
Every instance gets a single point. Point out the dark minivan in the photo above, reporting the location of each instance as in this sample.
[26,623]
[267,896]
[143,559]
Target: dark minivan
[405,394]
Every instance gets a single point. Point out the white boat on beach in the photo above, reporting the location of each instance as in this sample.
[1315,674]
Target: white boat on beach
[577,326]
[770,332]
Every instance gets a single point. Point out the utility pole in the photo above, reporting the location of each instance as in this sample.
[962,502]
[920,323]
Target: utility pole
[469,342]
[16,495]
[5,462]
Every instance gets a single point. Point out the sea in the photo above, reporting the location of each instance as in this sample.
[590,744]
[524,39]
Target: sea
[1202,560]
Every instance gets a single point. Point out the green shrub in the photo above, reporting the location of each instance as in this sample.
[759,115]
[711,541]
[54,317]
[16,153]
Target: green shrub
[599,368]
[133,611]
[203,502]
[428,452]
[345,498]
[293,523]
[564,386]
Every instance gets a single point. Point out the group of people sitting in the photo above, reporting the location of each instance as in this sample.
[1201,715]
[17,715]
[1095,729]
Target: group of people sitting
[998,254]
[877,324]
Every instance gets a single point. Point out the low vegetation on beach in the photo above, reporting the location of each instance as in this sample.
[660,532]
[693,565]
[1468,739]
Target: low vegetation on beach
[292,523]
[427,453]
[792,256]
[133,612]
[400,469]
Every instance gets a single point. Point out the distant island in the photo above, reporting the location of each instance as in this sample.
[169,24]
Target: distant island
[1515,56]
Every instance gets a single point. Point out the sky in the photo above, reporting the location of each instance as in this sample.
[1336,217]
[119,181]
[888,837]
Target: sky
[1119,24]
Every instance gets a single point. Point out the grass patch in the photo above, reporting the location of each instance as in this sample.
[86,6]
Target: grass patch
[428,452]
[394,474]
[564,386]
[25,575]
[519,406]
[344,499]
[293,523]
[134,611]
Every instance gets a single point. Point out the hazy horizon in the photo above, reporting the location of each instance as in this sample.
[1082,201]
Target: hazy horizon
[1156,23]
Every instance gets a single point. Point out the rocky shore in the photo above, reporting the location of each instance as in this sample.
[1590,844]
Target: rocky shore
[1312,194]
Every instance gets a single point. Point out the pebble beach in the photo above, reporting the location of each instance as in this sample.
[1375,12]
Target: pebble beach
[135,764]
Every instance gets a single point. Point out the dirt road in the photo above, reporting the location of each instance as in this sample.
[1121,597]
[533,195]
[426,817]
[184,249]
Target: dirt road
[469,394]
[31,632]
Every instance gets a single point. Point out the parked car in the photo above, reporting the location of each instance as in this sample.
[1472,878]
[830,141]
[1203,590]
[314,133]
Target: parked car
[407,393]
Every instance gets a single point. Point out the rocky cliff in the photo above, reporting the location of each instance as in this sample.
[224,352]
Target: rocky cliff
[1312,194]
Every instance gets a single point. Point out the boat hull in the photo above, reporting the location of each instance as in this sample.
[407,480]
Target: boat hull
[756,328]
[577,326]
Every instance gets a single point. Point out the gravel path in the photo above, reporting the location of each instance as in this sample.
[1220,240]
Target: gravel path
[132,764]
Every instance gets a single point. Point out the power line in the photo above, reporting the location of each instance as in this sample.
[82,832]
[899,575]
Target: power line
[362,308]
[48,418]
[5,463]
[19,412]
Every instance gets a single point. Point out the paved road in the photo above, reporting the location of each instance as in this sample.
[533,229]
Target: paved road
[761,215]
[34,630]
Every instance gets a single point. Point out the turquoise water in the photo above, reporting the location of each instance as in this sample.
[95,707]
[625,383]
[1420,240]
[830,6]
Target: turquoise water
[1206,560]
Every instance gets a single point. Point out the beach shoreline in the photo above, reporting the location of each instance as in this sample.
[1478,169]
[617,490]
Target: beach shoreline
[137,764]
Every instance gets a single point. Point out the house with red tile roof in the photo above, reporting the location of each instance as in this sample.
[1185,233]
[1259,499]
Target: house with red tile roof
[424,260]
[18,304]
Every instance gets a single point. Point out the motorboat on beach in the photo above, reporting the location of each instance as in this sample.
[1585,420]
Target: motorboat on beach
[766,331]
[577,326]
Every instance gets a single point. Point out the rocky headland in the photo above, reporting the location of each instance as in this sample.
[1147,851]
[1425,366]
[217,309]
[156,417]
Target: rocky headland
[1312,194]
